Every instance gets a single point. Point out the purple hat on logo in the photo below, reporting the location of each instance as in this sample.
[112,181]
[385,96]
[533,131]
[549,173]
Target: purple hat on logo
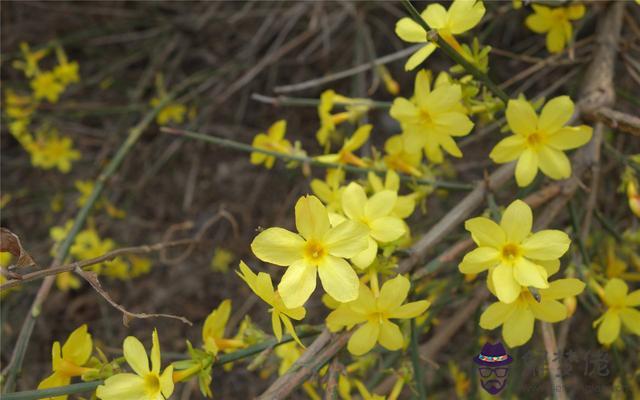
[493,355]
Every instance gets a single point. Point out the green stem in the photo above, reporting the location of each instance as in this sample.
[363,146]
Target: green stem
[454,55]
[415,360]
[308,160]
[223,359]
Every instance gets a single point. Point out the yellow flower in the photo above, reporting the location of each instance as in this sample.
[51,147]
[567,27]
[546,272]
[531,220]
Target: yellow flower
[274,141]
[172,112]
[67,281]
[46,86]
[18,107]
[401,158]
[221,260]
[375,214]
[620,305]
[69,362]
[288,353]
[514,256]
[213,330]
[462,16]
[517,318]
[145,384]
[374,314]
[262,286]
[330,191]
[404,204]
[139,266]
[633,197]
[317,247]
[355,109]
[50,150]
[539,142]
[432,119]
[345,155]
[88,244]
[66,72]
[555,22]
[462,381]
[31,59]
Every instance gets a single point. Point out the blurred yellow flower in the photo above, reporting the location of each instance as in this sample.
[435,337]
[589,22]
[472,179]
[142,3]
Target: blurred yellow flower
[462,16]
[620,310]
[46,86]
[67,281]
[50,150]
[31,60]
[69,362]
[556,23]
[88,244]
[432,119]
[273,141]
[288,353]
[633,197]
[355,109]
[172,112]
[317,248]
[514,256]
[401,158]
[262,286]
[213,331]
[518,317]
[539,142]
[374,312]
[222,259]
[330,190]
[345,155]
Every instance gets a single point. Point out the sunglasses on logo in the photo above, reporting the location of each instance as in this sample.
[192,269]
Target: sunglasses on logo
[499,372]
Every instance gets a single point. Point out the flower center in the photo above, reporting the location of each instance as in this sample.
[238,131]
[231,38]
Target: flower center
[152,383]
[425,117]
[314,250]
[535,139]
[510,251]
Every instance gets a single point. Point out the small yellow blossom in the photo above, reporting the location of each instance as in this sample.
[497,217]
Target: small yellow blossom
[50,150]
[432,119]
[66,72]
[145,383]
[517,318]
[374,312]
[345,155]
[221,260]
[318,248]
[262,286]
[355,109]
[18,107]
[273,141]
[46,86]
[375,214]
[330,190]
[514,256]
[461,380]
[69,362]
[172,112]
[213,331]
[620,305]
[400,158]
[31,60]
[139,266]
[633,197]
[67,281]
[405,205]
[539,142]
[462,16]
[88,244]
[556,23]
[288,353]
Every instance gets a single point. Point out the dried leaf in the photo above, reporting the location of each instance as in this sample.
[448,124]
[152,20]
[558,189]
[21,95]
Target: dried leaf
[10,242]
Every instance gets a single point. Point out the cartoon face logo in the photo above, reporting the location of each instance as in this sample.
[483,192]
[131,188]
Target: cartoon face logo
[493,362]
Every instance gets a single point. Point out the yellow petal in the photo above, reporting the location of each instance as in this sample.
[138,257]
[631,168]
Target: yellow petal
[555,39]
[277,130]
[631,319]
[410,31]
[554,163]
[359,137]
[312,220]
[548,244]
[508,149]
[290,329]
[561,288]
[403,110]
[55,380]
[405,205]
[485,232]
[344,316]
[609,329]
[517,221]
[155,351]
[551,266]
[548,310]
[380,204]
[479,260]
[464,15]
[517,330]
[393,293]
[538,23]
[264,288]
[449,145]
[419,56]
[527,168]
[633,299]
[78,347]
[247,275]
[410,310]
[443,99]
[346,239]
[496,314]
[507,289]
[435,15]
[363,339]
[390,336]
[297,284]
[570,137]
[555,114]
[276,325]
[122,387]
[521,117]
[453,124]
[433,152]
[216,321]
[387,229]
[615,292]
[363,259]
[575,11]
[353,201]
[136,355]
[338,279]
[278,246]
[166,382]
[422,86]
[527,273]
